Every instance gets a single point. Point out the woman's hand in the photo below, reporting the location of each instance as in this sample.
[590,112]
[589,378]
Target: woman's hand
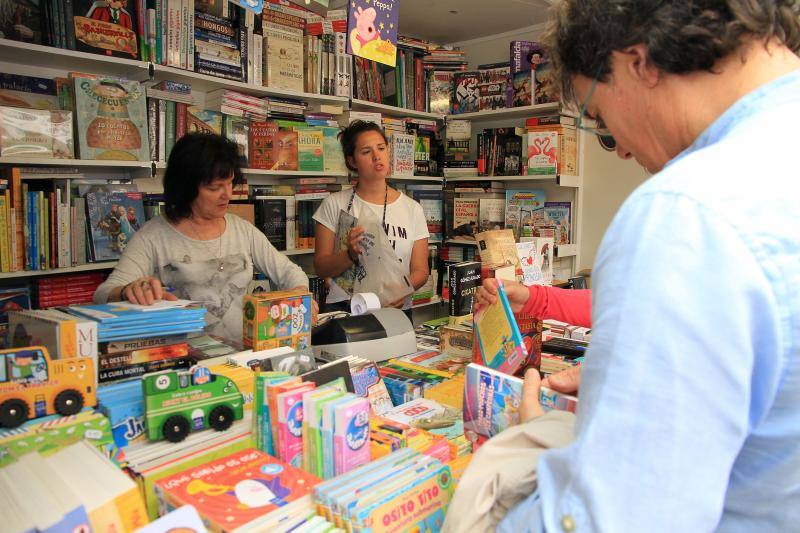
[517,294]
[145,291]
[397,303]
[531,407]
[354,248]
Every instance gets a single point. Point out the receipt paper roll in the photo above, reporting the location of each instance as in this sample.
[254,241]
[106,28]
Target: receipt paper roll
[364,302]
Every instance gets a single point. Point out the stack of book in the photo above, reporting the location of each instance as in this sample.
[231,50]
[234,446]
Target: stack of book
[122,321]
[237,104]
[72,289]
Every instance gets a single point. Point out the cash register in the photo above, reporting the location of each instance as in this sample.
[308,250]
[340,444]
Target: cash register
[378,335]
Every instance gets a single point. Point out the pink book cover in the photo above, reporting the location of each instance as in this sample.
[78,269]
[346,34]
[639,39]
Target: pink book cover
[351,435]
[290,424]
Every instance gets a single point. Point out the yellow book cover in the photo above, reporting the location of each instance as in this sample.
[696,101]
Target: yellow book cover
[131,510]
[4,225]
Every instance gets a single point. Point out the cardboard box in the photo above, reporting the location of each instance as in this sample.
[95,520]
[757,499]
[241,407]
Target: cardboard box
[274,319]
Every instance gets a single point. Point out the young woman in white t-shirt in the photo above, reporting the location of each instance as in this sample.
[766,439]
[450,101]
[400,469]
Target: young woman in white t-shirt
[366,151]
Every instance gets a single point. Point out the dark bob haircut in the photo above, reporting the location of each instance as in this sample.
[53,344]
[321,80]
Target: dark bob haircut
[197,159]
[349,136]
[680,36]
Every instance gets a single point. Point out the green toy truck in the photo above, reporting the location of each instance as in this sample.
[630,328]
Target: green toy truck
[177,403]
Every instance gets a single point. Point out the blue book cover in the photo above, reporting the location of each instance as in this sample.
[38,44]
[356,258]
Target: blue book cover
[123,404]
[115,314]
[114,218]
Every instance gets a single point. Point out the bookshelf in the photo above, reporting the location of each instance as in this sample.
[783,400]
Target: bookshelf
[509,113]
[89,267]
[562,250]
[392,111]
[563,180]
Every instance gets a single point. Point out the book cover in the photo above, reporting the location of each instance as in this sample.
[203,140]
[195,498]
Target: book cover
[536,257]
[28,92]
[465,278]
[466,92]
[524,57]
[491,403]
[523,209]
[108,28]
[497,247]
[35,132]
[237,129]
[270,214]
[500,344]
[465,211]
[542,152]
[111,119]
[290,424]
[372,30]
[237,489]
[351,435]
[559,215]
[492,213]
[310,150]
[402,155]
[113,218]
[286,150]
[262,144]
[440,90]
[200,120]
[334,157]
[283,57]
[21,20]
[492,82]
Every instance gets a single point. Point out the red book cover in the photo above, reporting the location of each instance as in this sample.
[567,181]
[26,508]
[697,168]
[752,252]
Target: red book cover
[262,144]
[70,280]
[237,489]
[180,120]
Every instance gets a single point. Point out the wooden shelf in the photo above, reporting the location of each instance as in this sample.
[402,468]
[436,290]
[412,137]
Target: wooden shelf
[561,179]
[205,83]
[39,56]
[392,111]
[508,113]
[107,265]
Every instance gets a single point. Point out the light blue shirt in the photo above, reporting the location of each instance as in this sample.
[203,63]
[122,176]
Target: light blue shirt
[690,395]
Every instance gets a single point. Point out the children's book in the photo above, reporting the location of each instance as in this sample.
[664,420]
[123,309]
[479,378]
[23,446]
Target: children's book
[536,257]
[290,424]
[559,215]
[523,209]
[491,402]
[108,28]
[114,218]
[497,334]
[183,519]
[351,447]
[28,92]
[111,119]
[237,489]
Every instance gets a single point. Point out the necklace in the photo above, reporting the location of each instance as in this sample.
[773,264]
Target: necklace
[218,255]
[385,201]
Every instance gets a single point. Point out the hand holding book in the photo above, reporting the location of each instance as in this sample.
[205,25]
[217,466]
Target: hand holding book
[517,294]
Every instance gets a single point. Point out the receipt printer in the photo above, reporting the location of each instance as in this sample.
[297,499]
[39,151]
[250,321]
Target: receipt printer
[378,336]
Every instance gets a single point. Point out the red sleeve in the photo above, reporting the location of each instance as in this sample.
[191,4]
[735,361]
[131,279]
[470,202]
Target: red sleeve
[566,305]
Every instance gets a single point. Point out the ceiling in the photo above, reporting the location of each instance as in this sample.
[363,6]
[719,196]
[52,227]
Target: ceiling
[433,20]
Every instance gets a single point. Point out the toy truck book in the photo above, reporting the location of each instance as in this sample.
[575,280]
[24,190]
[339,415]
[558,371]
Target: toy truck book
[177,403]
[33,385]
[274,319]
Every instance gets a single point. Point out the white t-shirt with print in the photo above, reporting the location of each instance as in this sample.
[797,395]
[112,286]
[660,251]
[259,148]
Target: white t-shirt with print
[404,218]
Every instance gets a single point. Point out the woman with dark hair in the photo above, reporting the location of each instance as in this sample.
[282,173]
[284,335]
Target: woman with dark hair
[196,249]
[366,152]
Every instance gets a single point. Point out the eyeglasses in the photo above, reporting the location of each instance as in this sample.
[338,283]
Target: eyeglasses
[596,126]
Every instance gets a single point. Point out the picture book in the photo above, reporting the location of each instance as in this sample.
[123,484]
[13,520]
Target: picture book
[235,490]
[492,214]
[310,149]
[402,151]
[351,435]
[199,120]
[184,519]
[542,153]
[109,28]
[523,209]
[262,420]
[367,383]
[500,345]
[113,218]
[372,30]
[111,119]
[491,402]
[440,90]
[559,215]
[290,424]
[262,144]
[536,257]
[466,92]
[28,92]
[313,401]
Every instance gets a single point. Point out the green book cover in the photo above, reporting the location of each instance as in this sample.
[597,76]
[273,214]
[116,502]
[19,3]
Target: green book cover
[332,150]
[309,144]
[171,117]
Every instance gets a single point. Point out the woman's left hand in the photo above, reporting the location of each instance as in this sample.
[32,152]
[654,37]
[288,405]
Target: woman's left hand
[314,311]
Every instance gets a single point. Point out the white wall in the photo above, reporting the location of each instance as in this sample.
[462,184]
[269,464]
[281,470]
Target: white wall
[607,180]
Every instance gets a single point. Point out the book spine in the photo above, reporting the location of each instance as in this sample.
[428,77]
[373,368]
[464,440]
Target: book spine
[190,36]
[170,128]
[243,44]
[180,120]
[141,19]
[207,22]
[138,370]
[162,130]
[213,72]
[4,248]
[211,37]
[258,60]
[70,25]
[184,33]
[152,127]
[215,66]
